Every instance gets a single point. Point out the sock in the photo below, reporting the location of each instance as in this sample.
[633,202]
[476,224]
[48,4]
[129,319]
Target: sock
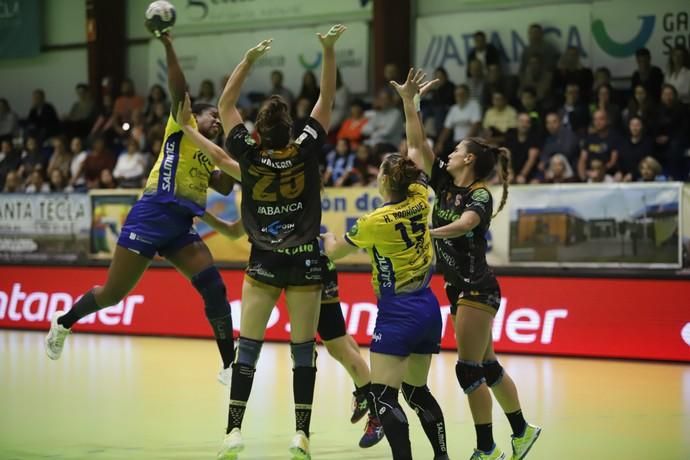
[226,347]
[84,307]
[430,415]
[384,400]
[517,422]
[241,387]
[485,437]
[303,380]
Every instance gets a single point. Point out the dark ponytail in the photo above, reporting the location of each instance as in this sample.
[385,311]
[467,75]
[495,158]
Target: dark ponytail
[487,157]
[274,123]
[401,173]
[503,156]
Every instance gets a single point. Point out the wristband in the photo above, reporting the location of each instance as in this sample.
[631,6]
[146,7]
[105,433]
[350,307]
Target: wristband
[416,100]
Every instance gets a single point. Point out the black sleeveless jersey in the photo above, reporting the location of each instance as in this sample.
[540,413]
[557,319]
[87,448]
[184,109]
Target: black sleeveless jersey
[281,189]
[461,260]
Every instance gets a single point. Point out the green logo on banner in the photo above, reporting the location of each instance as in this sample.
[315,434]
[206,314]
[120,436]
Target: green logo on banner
[627,49]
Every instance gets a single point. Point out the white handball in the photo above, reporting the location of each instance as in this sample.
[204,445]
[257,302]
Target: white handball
[160,17]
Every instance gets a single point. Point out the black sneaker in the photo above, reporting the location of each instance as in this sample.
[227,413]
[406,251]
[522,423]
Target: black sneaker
[359,407]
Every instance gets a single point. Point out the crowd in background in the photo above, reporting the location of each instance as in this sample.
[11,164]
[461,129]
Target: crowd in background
[562,122]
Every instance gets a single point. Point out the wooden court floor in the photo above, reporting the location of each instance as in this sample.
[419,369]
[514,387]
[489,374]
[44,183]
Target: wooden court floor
[113,397]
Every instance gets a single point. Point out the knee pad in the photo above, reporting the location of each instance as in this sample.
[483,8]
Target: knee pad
[493,372]
[212,289]
[303,354]
[470,375]
[385,400]
[248,352]
[423,402]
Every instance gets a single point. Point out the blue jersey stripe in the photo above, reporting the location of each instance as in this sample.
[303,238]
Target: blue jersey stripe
[386,274]
[168,168]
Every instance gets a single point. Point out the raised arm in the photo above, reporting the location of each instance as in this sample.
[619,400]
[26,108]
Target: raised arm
[324,105]
[177,85]
[410,92]
[217,155]
[227,104]
[232,230]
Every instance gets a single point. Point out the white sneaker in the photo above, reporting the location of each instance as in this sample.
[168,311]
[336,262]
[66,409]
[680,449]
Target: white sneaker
[55,340]
[225,376]
[232,445]
[299,447]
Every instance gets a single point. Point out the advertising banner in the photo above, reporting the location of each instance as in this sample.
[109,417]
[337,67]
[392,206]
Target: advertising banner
[294,51]
[109,209]
[44,227]
[602,225]
[622,318]
[20,28]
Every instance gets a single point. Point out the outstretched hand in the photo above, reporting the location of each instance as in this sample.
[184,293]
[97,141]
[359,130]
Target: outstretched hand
[411,86]
[259,50]
[328,40]
[184,111]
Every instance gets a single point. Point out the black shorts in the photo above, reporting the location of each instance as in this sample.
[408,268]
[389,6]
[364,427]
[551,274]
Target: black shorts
[487,297]
[296,266]
[331,320]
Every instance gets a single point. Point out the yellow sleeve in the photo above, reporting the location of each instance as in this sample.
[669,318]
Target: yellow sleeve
[172,126]
[360,234]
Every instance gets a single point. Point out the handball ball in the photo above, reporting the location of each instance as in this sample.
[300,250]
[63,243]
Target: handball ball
[160,17]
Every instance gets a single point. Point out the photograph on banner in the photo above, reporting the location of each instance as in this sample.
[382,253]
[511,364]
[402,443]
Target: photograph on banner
[617,225]
[44,227]
[109,209]
[223,248]
[686,225]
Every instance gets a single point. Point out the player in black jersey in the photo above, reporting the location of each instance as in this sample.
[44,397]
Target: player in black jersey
[281,210]
[461,217]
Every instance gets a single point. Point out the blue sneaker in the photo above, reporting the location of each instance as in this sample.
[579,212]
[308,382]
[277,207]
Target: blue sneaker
[373,433]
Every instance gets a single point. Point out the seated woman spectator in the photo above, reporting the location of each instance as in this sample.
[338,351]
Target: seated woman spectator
[603,100]
[61,158]
[207,93]
[9,121]
[499,118]
[678,74]
[650,171]
[351,129]
[58,182]
[97,160]
[365,168]
[524,150]
[641,105]
[79,120]
[131,166]
[10,159]
[633,149]
[673,133]
[76,175]
[32,157]
[339,162]
[106,180]
[127,102]
[310,88]
[13,183]
[103,126]
[596,173]
[559,170]
[157,106]
[36,183]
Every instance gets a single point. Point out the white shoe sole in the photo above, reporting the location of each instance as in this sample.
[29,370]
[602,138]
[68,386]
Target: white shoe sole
[524,454]
[231,454]
[298,453]
[53,325]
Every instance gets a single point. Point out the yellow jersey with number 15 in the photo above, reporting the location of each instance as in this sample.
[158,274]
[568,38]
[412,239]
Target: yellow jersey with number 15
[396,237]
[181,173]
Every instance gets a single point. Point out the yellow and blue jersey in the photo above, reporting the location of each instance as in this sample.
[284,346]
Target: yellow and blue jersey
[396,237]
[181,173]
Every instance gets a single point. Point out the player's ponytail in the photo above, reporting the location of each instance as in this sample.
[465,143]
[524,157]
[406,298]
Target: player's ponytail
[487,156]
[503,156]
[401,173]
[274,124]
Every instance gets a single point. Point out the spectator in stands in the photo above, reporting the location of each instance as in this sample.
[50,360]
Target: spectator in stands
[559,140]
[98,159]
[602,76]
[80,118]
[574,113]
[475,80]
[341,104]
[678,74]
[463,120]
[559,171]
[385,127]
[633,149]
[310,88]
[650,171]
[484,52]
[36,183]
[600,145]
[106,180]
[365,168]
[10,159]
[571,71]
[61,157]
[351,129]
[76,175]
[537,77]
[105,119]
[643,106]
[277,88]
[127,103]
[441,97]
[496,81]
[57,182]
[42,120]
[530,105]
[13,183]
[673,133]
[523,144]
[157,106]
[649,76]
[339,163]
[499,118]
[207,93]
[131,166]
[603,100]
[32,157]
[537,46]
[8,121]
[302,114]
[596,173]
[391,72]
